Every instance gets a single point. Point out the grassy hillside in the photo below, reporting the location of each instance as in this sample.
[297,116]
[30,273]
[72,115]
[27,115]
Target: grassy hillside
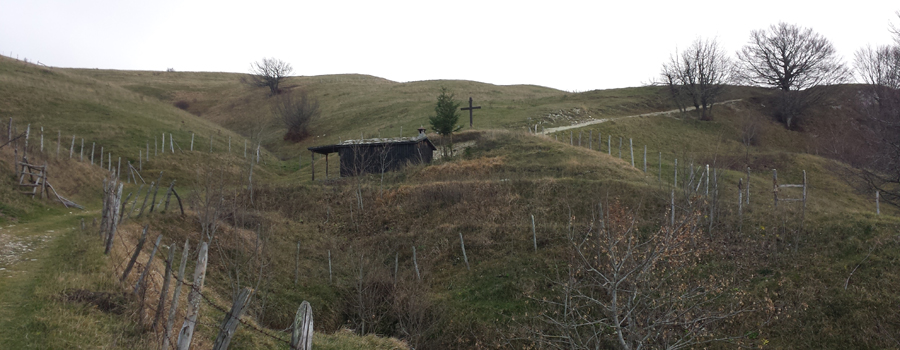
[819,278]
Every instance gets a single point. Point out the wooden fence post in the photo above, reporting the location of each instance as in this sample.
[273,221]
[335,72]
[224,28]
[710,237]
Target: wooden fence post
[164,143]
[533,233]
[302,328]
[146,196]
[187,328]
[748,185]
[609,145]
[463,245]
[672,217]
[675,183]
[707,180]
[170,321]
[72,148]
[81,152]
[113,216]
[192,141]
[232,319]
[631,148]
[137,251]
[137,286]
[416,264]
[877,203]
[168,196]
[330,280]
[160,307]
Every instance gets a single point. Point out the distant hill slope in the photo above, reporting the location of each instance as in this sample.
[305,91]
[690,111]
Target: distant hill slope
[359,104]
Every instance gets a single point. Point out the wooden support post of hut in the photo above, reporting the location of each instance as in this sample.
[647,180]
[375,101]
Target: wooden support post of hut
[366,156]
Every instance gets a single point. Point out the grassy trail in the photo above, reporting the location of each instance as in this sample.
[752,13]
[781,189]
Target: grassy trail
[32,258]
[604,120]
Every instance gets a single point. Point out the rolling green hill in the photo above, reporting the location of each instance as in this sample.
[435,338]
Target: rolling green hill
[819,278]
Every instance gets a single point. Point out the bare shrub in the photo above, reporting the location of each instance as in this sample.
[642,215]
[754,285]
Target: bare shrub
[296,113]
[630,290]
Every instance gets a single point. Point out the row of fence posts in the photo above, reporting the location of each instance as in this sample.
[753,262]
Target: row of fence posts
[573,142]
[133,174]
[743,190]
[112,216]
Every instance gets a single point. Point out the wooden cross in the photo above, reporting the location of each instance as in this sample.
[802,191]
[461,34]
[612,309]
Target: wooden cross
[470,108]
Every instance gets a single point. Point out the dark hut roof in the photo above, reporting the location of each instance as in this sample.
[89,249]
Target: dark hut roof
[373,142]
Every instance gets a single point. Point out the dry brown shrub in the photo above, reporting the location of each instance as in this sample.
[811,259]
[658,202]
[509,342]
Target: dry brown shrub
[464,168]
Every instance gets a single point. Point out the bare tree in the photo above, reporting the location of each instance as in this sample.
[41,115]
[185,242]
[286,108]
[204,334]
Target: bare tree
[631,290]
[879,102]
[269,73]
[793,60]
[697,76]
[296,113]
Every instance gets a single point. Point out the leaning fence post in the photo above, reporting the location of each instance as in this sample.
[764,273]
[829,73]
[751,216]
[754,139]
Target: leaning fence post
[302,328]
[72,148]
[137,251]
[187,328]
[232,319]
[137,286]
[192,141]
[463,245]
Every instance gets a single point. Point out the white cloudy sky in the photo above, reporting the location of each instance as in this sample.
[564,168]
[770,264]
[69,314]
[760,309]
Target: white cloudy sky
[569,45]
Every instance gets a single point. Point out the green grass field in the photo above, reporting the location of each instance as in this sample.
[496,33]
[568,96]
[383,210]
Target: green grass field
[791,282]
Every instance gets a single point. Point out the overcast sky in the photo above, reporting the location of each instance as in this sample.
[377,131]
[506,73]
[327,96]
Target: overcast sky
[568,45]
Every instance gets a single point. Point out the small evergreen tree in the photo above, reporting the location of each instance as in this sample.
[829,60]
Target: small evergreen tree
[446,115]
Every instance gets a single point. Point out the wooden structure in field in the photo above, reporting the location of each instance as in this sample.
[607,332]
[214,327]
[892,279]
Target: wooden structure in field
[367,156]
